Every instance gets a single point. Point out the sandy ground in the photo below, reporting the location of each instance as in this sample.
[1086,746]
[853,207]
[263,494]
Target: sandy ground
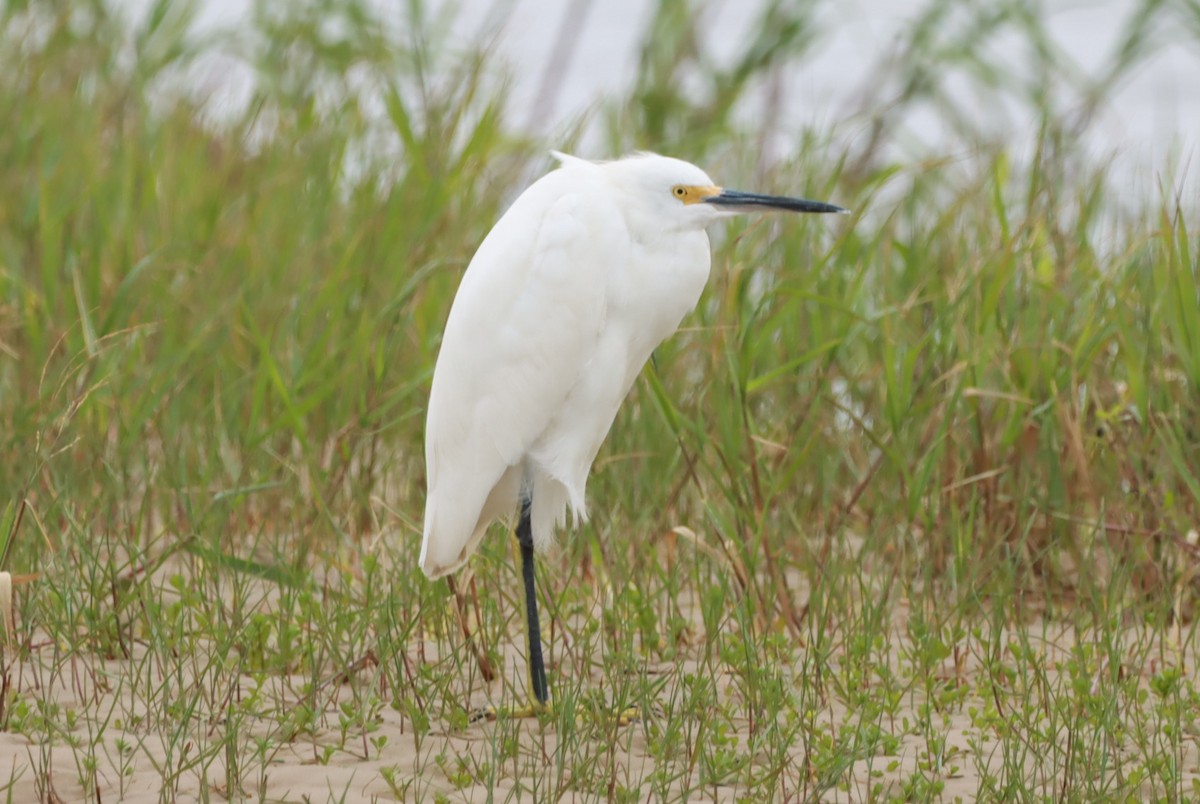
[127,750]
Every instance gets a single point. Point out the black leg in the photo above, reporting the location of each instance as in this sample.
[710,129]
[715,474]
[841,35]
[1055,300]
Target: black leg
[537,668]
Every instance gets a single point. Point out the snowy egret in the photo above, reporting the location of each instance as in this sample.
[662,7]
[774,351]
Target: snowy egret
[591,268]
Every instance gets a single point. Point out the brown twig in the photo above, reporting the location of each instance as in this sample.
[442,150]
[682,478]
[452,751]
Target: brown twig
[485,665]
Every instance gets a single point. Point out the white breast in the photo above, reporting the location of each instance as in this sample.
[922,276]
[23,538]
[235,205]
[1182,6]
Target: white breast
[647,299]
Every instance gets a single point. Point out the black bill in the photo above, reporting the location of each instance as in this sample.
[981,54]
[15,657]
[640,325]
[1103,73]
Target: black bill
[736,200]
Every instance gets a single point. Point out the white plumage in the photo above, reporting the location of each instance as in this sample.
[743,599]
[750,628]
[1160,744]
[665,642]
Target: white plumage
[557,313]
[589,270]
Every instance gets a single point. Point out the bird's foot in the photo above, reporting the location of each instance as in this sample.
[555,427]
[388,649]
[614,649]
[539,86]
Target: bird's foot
[492,713]
[623,717]
[629,715]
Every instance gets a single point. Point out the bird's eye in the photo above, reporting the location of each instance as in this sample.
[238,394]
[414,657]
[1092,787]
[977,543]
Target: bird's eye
[679,190]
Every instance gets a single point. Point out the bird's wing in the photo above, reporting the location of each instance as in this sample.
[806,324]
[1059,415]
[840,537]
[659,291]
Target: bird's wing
[522,327]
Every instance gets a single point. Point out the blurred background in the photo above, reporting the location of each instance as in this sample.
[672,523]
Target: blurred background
[1122,70]
[231,231]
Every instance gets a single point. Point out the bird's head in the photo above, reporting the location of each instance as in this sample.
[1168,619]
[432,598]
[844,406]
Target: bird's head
[680,195]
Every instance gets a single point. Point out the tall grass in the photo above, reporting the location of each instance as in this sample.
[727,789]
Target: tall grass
[927,471]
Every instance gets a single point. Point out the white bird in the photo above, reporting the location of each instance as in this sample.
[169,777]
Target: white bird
[590,269]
